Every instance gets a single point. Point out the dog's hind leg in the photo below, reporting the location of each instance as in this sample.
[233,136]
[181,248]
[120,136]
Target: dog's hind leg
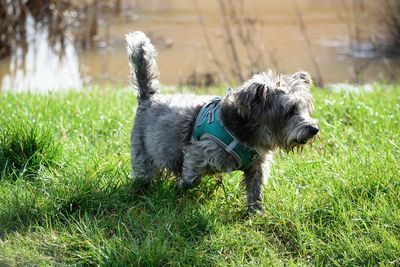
[143,169]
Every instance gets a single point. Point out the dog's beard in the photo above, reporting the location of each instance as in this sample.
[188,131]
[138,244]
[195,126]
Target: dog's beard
[298,147]
[297,138]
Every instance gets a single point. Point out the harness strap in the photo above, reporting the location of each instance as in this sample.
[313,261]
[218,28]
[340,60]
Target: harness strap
[208,123]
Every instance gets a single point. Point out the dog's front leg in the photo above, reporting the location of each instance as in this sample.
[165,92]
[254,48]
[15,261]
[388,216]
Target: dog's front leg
[194,167]
[254,181]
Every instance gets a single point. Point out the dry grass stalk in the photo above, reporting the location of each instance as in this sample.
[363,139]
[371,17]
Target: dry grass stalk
[240,36]
[319,81]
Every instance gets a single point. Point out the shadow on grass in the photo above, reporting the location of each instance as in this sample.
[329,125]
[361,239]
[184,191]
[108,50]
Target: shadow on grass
[109,210]
[25,150]
[103,195]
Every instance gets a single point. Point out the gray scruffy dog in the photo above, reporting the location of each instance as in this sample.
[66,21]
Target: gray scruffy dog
[267,112]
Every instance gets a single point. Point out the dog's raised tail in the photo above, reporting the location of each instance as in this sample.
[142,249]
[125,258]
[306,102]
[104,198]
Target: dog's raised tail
[142,60]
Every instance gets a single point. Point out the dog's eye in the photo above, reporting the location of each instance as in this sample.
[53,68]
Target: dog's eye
[292,111]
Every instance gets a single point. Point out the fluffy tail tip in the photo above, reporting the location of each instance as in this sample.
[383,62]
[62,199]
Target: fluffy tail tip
[135,40]
[142,60]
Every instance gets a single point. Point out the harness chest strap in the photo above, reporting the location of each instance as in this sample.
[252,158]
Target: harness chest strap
[208,123]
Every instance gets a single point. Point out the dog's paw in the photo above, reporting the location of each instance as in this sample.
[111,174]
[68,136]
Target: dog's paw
[256,208]
[184,184]
[179,186]
[140,188]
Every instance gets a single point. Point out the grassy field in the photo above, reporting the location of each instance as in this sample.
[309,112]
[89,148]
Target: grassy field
[66,197]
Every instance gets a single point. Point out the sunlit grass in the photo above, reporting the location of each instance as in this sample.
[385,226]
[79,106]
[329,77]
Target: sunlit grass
[337,203]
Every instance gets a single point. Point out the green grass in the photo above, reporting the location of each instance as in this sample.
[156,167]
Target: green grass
[25,149]
[66,197]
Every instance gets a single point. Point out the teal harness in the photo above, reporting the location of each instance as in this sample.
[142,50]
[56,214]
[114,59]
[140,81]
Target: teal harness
[208,123]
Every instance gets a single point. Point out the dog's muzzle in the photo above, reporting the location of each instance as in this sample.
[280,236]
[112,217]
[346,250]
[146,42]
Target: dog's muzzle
[310,132]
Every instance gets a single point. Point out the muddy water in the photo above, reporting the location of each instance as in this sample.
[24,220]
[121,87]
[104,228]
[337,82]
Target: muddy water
[175,30]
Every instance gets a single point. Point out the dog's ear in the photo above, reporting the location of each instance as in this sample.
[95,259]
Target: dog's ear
[304,77]
[260,93]
[254,96]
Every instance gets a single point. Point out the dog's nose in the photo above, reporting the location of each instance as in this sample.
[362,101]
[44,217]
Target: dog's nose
[313,130]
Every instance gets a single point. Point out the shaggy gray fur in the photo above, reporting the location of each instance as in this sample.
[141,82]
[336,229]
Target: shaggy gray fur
[267,112]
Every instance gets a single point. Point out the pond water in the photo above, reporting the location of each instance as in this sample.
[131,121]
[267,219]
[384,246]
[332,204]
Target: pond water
[174,28]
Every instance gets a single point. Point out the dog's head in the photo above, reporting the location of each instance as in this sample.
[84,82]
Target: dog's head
[277,109]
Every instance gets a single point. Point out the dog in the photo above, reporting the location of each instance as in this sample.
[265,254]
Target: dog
[175,132]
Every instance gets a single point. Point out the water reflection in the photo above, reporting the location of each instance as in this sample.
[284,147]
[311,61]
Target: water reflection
[41,69]
[344,44]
